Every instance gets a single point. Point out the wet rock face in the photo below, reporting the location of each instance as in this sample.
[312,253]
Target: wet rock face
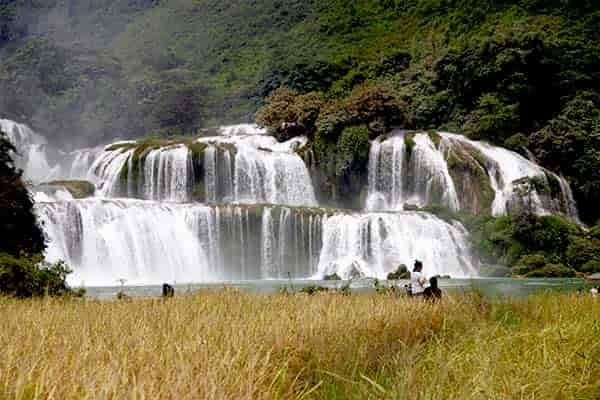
[77,189]
[469,175]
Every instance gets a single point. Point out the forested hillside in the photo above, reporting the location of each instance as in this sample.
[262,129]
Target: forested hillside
[523,74]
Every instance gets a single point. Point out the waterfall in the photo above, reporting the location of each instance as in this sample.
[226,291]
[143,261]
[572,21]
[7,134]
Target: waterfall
[106,172]
[241,206]
[507,171]
[375,244]
[401,175]
[241,129]
[244,169]
[421,169]
[126,239]
[31,152]
[255,169]
[147,242]
[168,174]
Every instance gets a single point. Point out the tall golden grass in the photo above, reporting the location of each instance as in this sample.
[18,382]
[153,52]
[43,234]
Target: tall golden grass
[228,344]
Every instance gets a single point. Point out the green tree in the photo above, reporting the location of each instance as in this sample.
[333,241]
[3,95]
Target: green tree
[19,231]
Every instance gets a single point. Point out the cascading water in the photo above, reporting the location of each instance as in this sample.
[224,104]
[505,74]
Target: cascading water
[235,207]
[374,244]
[31,157]
[249,169]
[423,169]
[415,174]
[257,169]
[148,242]
[507,170]
[40,161]
[104,241]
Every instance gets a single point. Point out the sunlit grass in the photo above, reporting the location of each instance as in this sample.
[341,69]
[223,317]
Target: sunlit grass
[230,344]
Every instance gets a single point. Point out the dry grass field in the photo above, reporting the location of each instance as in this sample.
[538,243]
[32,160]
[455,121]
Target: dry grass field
[229,344]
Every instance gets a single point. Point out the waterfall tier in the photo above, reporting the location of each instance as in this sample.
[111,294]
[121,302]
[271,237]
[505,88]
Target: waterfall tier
[149,242]
[420,169]
[248,169]
[42,162]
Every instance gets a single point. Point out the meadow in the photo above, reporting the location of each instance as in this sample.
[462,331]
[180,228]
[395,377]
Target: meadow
[228,344]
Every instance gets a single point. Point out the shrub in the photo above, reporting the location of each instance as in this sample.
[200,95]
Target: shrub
[400,273]
[32,276]
[352,149]
[530,263]
[287,114]
[375,101]
[552,271]
[332,277]
[591,267]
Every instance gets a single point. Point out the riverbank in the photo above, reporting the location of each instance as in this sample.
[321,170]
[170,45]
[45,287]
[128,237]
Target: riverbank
[230,344]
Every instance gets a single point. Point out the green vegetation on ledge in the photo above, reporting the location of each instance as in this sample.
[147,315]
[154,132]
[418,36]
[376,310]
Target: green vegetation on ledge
[530,245]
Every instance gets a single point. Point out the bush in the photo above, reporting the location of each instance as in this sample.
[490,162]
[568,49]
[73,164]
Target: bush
[32,276]
[332,277]
[287,114]
[400,273]
[552,271]
[352,150]
[375,101]
[530,263]
[591,267]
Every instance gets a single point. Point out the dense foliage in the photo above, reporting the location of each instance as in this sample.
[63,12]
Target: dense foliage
[32,276]
[530,245]
[23,271]
[19,231]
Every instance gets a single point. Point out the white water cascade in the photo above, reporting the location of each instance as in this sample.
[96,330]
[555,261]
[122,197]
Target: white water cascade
[399,175]
[147,242]
[244,169]
[375,244]
[506,168]
[411,169]
[256,169]
[40,161]
[241,206]
[31,148]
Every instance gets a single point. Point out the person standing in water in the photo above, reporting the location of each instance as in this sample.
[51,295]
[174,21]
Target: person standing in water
[417,280]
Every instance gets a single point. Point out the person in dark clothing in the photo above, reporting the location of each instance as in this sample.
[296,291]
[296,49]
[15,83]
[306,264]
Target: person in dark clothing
[433,292]
[168,290]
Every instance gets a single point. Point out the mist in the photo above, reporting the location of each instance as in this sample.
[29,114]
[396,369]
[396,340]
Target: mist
[60,74]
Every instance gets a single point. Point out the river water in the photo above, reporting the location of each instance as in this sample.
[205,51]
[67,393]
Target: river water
[494,288]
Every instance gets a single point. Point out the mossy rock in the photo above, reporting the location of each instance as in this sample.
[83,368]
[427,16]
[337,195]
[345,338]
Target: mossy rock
[435,138]
[411,207]
[197,148]
[78,189]
[332,277]
[467,169]
[409,142]
[400,273]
